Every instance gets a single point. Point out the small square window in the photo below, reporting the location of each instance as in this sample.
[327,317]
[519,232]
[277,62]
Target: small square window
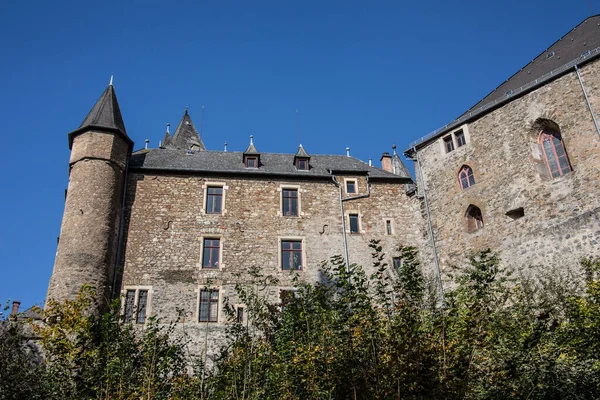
[210,253]
[209,305]
[388,227]
[290,202]
[354,223]
[351,186]
[291,254]
[448,144]
[302,164]
[251,162]
[460,138]
[214,200]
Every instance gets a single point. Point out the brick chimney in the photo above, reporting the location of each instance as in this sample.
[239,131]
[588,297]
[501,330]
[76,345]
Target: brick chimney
[15,308]
[386,162]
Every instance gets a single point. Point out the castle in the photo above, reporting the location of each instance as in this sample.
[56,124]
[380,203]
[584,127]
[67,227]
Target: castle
[173,229]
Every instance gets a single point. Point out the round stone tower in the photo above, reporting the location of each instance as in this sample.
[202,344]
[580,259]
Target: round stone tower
[87,247]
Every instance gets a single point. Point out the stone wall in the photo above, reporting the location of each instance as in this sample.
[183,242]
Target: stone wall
[561,215]
[166,222]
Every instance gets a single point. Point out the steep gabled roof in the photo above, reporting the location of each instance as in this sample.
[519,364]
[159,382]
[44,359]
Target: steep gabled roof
[186,136]
[301,153]
[105,116]
[578,46]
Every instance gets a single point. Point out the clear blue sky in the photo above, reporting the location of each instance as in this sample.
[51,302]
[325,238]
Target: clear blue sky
[360,77]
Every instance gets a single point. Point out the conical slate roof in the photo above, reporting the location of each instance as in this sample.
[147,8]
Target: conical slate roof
[398,166]
[186,136]
[105,116]
[302,153]
[251,150]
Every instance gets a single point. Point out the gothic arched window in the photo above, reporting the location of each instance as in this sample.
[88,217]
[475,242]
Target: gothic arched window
[465,177]
[554,153]
[474,218]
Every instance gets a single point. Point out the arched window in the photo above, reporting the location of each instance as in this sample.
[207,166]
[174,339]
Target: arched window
[465,177]
[554,153]
[474,218]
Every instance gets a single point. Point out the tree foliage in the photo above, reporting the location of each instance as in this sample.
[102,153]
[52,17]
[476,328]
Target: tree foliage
[352,335]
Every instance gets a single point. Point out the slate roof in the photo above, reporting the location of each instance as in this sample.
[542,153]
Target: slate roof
[272,164]
[581,44]
[185,135]
[104,116]
[302,153]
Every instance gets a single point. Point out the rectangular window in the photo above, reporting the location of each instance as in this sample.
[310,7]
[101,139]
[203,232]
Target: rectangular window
[351,186]
[209,305]
[448,144]
[251,162]
[290,202]
[354,223]
[129,305]
[302,164]
[240,314]
[460,138]
[210,253]
[141,306]
[291,254]
[397,263]
[136,305]
[214,200]
[388,227]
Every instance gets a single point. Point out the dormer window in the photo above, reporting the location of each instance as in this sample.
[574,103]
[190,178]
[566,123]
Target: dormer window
[251,162]
[302,164]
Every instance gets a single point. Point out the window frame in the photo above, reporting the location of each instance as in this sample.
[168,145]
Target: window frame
[389,226]
[214,184]
[353,181]
[396,263]
[217,302]
[294,202]
[302,251]
[469,176]
[219,252]
[135,317]
[253,158]
[302,160]
[448,140]
[358,224]
[299,201]
[544,136]
[213,196]
[460,137]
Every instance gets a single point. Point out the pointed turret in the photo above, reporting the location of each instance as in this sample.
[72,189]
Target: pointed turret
[400,169]
[186,136]
[167,138]
[251,155]
[88,245]
[105,116]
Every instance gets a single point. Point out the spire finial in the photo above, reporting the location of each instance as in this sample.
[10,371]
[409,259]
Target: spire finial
[225,145]
[168,126]
[251,137]
[394,147]
[111,79]
[186,110]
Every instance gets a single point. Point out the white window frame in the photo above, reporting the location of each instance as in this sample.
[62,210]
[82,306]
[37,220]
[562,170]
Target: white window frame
[205,187]
[211,236]
[465,129]
[198,290]
[294,239]
[136,298]
[280,210]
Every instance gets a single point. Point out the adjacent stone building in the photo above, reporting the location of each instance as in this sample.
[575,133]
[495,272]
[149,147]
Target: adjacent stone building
[173,229]
[520,171]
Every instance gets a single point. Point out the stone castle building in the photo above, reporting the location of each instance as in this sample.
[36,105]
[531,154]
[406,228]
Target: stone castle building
[173,229]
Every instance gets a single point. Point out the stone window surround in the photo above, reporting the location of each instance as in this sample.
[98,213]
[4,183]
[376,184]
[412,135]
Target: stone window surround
[137,289]
[199,289]
[211,236]
[237,306]
[465,129]
[360,216]
[300,239]
[280,209]
[459,171]
[346,180]
[467,215]
[205,185]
